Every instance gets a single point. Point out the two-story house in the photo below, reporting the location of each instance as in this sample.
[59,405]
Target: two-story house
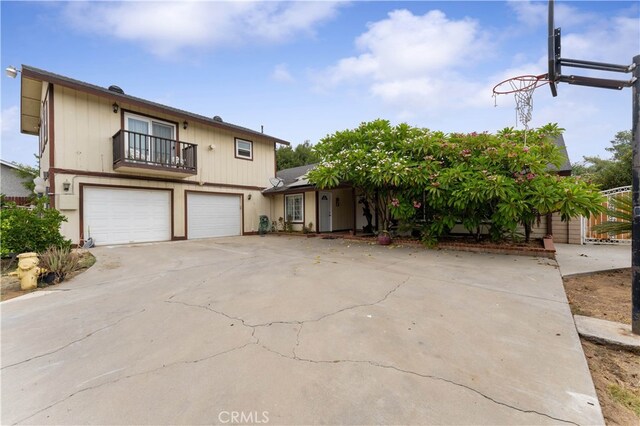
[125,170]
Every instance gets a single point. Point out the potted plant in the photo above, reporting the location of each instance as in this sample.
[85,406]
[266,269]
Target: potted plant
[384,238]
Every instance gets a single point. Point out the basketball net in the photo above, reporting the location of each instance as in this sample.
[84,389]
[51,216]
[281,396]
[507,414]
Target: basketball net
[522,88]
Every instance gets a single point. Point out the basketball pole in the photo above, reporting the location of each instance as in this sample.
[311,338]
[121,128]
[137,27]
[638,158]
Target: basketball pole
[635,234]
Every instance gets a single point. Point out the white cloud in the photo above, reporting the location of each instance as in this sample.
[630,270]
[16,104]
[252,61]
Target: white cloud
[615,40]
[167,27]
[585,35]
[281,74]
[415,61]
[408,46]
[537,14]
[432,66]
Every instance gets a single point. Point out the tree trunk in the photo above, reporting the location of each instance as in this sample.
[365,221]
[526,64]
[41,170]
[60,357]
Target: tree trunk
[527,232]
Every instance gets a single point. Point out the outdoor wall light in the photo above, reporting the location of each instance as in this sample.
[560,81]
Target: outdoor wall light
[249,197]
[11,71]
[116,107]
[185,124]
[66,186]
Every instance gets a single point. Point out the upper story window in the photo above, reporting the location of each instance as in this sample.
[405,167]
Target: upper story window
[244,149]
[149,139]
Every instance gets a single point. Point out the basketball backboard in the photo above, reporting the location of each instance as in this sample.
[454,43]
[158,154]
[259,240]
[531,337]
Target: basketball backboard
[553,52]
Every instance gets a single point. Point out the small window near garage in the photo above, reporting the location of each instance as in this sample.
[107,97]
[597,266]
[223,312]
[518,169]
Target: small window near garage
[244,149]
[294,208]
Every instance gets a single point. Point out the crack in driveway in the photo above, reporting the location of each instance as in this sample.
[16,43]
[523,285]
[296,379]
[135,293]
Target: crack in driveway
[301,323]
[141,373]
[74,341]
[292,322]
[415,373]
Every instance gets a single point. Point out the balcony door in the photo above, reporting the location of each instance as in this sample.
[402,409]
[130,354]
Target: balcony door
[150,140]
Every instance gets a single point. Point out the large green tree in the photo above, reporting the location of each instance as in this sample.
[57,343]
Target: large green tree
[473,179]
[612,172]
[301,155]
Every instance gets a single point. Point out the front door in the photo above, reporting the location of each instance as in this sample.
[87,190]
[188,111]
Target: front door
[324,211]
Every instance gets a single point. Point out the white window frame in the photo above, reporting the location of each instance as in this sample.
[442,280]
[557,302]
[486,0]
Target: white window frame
[150,120]
[237,150]
[286,204]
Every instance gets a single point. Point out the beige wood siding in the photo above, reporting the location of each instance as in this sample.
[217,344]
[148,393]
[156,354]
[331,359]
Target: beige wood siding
[252,209]
[85,125]
[566,232]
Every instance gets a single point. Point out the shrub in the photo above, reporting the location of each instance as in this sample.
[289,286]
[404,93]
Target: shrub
[438,180]
[60,261]
[288,224]
[30,230]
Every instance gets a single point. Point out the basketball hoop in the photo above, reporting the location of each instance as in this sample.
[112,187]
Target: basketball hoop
[522,88]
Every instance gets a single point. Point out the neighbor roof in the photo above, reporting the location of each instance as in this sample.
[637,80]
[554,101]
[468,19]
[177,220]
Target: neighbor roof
[39,75]
[9,164]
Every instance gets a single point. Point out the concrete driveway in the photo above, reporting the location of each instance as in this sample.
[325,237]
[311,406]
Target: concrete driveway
[291,330]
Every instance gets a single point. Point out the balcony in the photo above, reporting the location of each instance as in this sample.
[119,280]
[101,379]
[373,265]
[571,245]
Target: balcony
[151,155]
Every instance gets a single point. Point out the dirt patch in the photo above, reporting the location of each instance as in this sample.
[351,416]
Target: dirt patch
[615,371]
[605,295]
[616,376]
[10,286]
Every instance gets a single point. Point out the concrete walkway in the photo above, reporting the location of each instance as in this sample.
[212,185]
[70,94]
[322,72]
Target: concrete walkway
[290,330]
[576,259]
[583,259]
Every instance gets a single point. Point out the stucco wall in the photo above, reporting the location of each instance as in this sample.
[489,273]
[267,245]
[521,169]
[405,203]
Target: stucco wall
[11,184]
[342,209]
[277,209]
[310,210]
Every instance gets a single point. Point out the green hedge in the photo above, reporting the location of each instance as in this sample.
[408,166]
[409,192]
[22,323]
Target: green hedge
[30,230]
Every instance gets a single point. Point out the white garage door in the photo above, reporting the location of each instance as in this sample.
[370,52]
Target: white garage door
[213,215]
[122,216]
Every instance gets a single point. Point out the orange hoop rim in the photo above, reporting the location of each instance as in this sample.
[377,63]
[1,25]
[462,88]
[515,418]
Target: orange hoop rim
[534,81]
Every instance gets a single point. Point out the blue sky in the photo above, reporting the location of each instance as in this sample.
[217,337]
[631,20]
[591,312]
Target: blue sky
[308,69]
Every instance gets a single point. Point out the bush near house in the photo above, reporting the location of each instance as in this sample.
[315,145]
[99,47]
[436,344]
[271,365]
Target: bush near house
[434,180]
[30,230]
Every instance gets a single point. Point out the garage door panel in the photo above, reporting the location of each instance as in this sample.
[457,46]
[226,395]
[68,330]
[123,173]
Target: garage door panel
[121,216]
[213,215]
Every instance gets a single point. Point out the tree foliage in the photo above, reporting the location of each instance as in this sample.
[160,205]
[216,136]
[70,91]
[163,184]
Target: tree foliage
[613,172]
[473,179]
[620,212]
[303,154]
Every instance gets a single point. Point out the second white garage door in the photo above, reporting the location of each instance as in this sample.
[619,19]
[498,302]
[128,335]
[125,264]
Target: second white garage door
[213,215]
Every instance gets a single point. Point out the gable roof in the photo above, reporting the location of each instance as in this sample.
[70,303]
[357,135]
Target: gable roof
[566,165]
[293,178]
[38,75]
